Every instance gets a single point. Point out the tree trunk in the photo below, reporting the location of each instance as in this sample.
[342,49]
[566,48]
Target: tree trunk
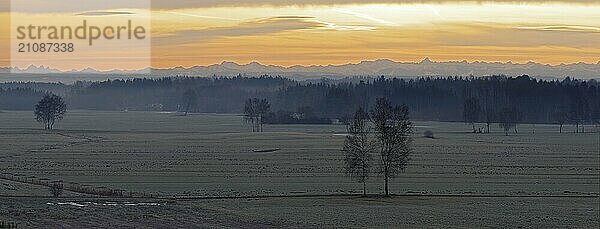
[474,128]
[560,129]
[488,128]
[387,193]
[364,187]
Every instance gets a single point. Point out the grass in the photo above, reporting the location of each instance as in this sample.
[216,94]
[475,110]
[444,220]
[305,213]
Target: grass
[318,212]
[212,155]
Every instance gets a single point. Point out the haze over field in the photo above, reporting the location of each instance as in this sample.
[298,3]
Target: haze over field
[299,113]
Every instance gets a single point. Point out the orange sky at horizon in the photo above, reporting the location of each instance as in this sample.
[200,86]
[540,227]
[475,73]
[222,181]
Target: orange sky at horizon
[549,33]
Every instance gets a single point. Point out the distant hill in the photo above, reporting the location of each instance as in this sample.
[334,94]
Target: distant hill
[364,68]
[392,68]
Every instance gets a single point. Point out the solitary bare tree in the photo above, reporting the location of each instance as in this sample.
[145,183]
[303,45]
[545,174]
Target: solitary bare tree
[579,113]
[49,110]
[190,99]
[489,117]
[358,147]
[560,117]
[393,131]
[471,112]
[508,119]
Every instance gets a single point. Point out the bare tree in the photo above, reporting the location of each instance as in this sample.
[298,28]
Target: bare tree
[490,117]
[263,108]
[560,117]
[56,189]
[249,113]
[358,147]
[190,100]
[508,119]
[488,96]
[471,111]
[596,116]
[580,112]
[393,131]
[254,110]
[49,110]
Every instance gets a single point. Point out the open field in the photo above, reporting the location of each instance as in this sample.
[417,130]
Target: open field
[346,212]
[535,177]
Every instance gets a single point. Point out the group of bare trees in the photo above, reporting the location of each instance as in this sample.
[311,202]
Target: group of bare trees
[386,130]
[514,100]
[254,111]
[56,189]
[507,118]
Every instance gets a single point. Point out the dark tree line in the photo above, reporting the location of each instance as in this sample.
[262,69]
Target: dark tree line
[215,95]
[510,101]
[19,98]
[303,115]
[441,99]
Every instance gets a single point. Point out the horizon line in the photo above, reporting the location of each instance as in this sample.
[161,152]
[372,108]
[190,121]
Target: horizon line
[425,59]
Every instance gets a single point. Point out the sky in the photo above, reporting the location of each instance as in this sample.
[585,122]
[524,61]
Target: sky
[311,32]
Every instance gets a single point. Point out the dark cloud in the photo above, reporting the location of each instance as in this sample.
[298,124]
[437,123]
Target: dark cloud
[563,28]
[251,28]
[104,13]
[498,35]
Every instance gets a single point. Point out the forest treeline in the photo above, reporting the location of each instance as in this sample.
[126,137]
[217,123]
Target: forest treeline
[440,99]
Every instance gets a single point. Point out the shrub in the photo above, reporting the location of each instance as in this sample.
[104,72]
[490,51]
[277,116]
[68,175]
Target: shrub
[428,134]
[56,189]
